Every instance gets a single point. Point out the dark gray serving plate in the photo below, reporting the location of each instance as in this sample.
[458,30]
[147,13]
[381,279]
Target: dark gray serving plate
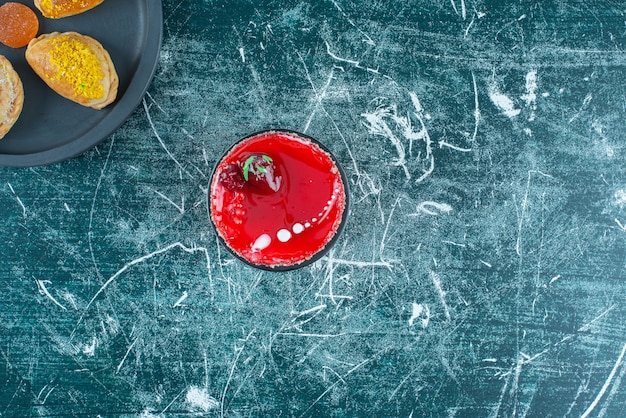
[51,128]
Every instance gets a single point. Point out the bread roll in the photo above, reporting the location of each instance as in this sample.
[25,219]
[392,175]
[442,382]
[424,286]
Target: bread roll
[75,66]
[11,96]
[55,9]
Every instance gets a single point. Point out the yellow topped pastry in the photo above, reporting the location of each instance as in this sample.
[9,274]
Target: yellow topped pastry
[11,96]
[75,66]
[55,9]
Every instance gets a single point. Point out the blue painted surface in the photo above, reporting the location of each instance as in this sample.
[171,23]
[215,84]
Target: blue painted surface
[482,269]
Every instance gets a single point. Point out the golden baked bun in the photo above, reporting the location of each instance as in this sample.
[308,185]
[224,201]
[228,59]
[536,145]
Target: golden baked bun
[11,96]
[75,66]
[55,9]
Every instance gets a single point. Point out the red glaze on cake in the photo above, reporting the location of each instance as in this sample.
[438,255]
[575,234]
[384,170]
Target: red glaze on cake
[277,199]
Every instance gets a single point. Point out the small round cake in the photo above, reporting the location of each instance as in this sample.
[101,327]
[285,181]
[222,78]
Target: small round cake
[278,200]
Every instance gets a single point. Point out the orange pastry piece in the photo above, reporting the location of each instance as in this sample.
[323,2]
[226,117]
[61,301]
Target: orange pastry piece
[11,96]
[76,66]
[18,24]
[55,9]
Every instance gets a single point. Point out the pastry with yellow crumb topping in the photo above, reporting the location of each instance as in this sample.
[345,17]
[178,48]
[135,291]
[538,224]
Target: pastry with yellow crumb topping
[55,9]
[11,96]
[76,66]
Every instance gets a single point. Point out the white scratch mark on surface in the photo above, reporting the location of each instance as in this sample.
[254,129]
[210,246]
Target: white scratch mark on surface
[442,294]
[606,385]
[319,96]
[181,300]
[454,7]
[50,390]
[119,366]
[114,325]
[423,133]
[303,317]
[456,244]
[586,102]
[19,201]
[621,225]
[67,208]
[154,102]
[555,278]
[70,298]
[476,108]
[443,144]
[158,137]
[614,390]
[530,97]
[238,350]
[90,350]
[399,385]
[328,389]
[378,126]
[503,102]
[311,335]
[315,310]
[242,54]
[355,63]
[329,279]
[367,39]
[48,394]
[190,250]
[620,198]
[463,10]
[172,401]
[421,312]
[427,206]
[467,29]
[376,122]
[361,264]
[588,325]
[180,208]
[522,212]
[44,291]
[386,231]
[199,398]
[93,207]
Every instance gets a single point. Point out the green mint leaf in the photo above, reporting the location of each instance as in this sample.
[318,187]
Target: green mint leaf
[246,167]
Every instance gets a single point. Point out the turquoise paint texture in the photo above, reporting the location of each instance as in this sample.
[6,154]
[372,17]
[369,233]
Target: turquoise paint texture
[481,271]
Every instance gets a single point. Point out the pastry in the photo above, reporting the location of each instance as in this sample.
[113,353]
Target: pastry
[11,96]
[278,200]
[55,9]
[18,24]
[75,66]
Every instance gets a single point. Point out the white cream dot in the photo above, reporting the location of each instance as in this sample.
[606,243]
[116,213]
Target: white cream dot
[297,228]
[307,225]
[314,220]
[283,235]
[262,242]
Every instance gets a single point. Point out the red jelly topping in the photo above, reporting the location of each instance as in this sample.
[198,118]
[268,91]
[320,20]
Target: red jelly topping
[277,199]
